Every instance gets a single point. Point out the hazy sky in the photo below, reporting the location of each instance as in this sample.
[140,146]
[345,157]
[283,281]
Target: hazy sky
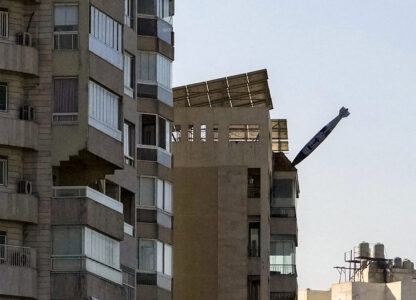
[360,184]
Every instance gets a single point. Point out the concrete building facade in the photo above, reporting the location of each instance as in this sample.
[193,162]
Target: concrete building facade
[85,161]
[225,170]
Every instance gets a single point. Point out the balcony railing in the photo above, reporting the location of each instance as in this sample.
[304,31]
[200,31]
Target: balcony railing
[16,256]
[283,269]
[253,191]
[84,191]
[283,212]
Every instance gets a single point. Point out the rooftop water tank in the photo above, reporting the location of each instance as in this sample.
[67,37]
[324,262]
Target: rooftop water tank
[364,250]
[397,262]
[378,251]
[407,264]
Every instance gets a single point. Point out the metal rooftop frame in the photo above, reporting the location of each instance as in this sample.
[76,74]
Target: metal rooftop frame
[243,90]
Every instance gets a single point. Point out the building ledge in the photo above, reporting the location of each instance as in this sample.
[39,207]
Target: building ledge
[19,207]
[21,59]
[283,283]
[18,133]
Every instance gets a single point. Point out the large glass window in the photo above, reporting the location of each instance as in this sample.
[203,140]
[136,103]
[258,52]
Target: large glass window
[66,26]
[147,191]
[106,29]
[129,144]
[104,110]
[148,129]
[282,254]
[147,255]
[128,12]
[128,74]
[3,96]
[65,99]
[283,188]
[4,22]
[3,171]
[254,239]
[164,195]
[154,69]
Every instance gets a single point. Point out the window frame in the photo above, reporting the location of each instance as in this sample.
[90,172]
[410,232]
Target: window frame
[167,127]
[4,170]
[58,33]
[251,227]
[154,256]
[129,77]
[130,146]
[72,115]
[6,100]
[4,13]
[154,205]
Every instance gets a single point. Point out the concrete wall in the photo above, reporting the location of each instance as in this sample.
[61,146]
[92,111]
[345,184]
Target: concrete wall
[18,281]
[18,207]
[314,295]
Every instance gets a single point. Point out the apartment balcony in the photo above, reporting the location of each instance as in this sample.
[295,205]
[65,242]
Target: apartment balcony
[284,226]
[73,205]
[18,133]
[19,207]
[155,44]
[154,155]
[18,269]
[283,279]
[20,59]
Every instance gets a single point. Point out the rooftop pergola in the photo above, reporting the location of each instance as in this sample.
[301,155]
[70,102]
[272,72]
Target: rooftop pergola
[244,90]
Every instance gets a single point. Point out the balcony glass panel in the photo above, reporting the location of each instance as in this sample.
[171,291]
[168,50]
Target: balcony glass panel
[283,255]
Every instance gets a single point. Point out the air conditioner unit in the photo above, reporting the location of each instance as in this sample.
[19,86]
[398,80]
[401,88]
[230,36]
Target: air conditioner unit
[25,187]
[24,39]
[27,113]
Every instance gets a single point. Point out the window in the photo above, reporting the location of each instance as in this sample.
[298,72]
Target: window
[147,194]
[129,143]
[3,96]
[4,22]
[3,171]
[148,129]
[3,237]
[203,133]
[155,131]
[147,255]
[215,132]
[65,97]
[128,8]
[3,240]
[104,110]
[283,188]
[244,133]
[164,258]
[154,69]
[129,74]
[161,8]
[190,133]
[254,239]
[66,26]
[282,254]
[176,133]
[253,287]
[253,184]
[164,195]
[106,36]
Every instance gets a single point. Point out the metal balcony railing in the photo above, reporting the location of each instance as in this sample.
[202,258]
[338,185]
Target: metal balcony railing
[15,256]
[283,269]
[283,212]
[84,191]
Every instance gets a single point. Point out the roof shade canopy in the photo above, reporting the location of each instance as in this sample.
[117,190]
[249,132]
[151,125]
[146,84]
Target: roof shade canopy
[244,90]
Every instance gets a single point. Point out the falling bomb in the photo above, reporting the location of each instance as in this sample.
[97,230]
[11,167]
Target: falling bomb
[320,136]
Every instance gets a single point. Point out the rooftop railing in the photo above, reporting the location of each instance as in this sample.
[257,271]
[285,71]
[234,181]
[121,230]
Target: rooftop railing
[87,192]
[17,256]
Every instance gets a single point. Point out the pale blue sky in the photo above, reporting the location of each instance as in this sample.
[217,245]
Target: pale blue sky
[360,184]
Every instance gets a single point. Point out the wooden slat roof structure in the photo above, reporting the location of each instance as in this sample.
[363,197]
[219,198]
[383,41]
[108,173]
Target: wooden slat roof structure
[243,90]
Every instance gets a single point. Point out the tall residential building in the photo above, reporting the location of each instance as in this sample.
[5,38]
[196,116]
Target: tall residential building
[85,161]
[235,197]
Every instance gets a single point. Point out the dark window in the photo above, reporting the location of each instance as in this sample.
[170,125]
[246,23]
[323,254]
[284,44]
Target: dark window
[148,128]
[147,91]
[129,143]
[253,288]
[283,188]
[112,190]
[65,99]
[3,235]
[3,239]
[3,171]
[254,239]
[3,96]
[147,27]
[127,198]
[147,7]
[4,22]
[162,133]
[253,184]
[147,154]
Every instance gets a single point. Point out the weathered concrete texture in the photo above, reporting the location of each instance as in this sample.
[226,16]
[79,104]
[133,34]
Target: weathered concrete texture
[18,133]
[314,295]
[18,281]
[83,286]
[283,283]
[128,250]
[19,59]
[105,147]
[84,211]
[284,226]
[18,207]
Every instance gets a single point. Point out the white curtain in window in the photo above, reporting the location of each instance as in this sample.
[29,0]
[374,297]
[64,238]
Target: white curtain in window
[127,70]
[168,196]
[160,194]
[147,191]
[146,255]
[159,257]
[103,106]
[101,248]
[164,71]
[168,260]
[66,15]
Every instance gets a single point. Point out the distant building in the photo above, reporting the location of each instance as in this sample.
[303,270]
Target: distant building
[370,277]
[235,194]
